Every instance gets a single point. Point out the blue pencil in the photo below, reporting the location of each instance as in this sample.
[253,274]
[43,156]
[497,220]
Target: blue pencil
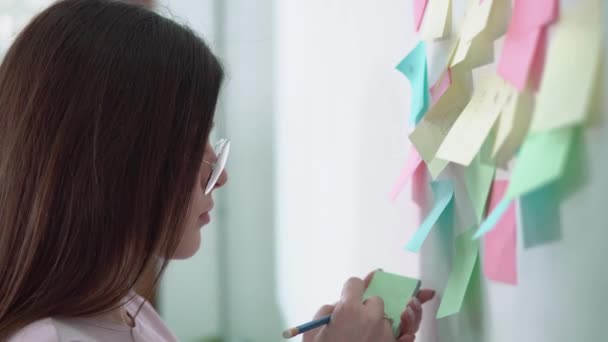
[300,329]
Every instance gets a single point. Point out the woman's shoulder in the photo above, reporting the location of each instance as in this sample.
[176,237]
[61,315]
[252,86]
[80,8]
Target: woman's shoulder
[43,331]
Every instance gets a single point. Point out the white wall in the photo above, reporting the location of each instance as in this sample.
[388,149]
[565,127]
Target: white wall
[190,294]
[340,138]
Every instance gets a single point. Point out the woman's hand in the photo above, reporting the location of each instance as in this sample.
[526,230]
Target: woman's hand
[354,321]
[412,315]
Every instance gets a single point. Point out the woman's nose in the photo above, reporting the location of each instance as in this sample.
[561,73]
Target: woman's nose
[222,180]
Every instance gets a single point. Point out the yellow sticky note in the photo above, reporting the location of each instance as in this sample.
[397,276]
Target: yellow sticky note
[476,19]
[573,57]
[432,129]
[437,19]
[472,127]
[453,49]
[483,23]
[436,166]
[474,53]
[512,127]
[596,107]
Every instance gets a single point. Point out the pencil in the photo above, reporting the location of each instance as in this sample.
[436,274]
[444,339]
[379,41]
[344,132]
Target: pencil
[300,329]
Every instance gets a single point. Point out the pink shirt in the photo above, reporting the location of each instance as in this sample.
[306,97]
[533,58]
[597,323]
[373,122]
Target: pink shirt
[149,327]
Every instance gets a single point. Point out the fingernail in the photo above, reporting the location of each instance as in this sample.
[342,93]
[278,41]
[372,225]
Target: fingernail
[409,338]
[410,313]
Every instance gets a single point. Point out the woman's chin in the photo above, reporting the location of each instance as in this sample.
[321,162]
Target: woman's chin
[190,244]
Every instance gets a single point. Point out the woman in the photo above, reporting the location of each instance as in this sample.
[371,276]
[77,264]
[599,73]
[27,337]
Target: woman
[106,171]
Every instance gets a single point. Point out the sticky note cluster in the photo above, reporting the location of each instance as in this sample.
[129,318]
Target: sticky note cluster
[525,115]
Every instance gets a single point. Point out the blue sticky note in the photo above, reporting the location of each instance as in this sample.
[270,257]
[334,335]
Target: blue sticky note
[493,218]
[414,67]
[540,216]
[444,193]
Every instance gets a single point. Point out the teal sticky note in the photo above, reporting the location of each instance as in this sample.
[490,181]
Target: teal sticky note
[395,291]
[541,161]
[465,257]
[493,217]
[444,193]
[478,178]
[414,67]
[540,216]
[576,172]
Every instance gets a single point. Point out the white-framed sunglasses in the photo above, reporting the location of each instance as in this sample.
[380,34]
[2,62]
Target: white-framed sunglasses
[222,148]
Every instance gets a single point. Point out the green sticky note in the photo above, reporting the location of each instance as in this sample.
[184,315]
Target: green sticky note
[465,256]
[414,67]
[541,161]
[395,290]
[478,178]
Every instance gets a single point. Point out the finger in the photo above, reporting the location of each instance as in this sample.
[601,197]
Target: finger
[368,278]
[323,311]
[375,305]
[406,338]
[425,295]
[416,306]
[415,303]
[353,290]
[404,326]
[417,323]
[408,321]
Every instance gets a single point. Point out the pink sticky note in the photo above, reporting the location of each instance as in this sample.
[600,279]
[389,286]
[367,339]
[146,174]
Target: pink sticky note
[517,56]
[420,186]
[538,62]
[500,254]
[441,86]
[419,7]
[531,15]
[413,162]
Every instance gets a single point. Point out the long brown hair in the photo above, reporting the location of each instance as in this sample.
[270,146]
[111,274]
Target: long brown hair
[105,109]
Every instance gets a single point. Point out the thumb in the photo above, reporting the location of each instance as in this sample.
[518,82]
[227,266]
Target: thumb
[323,311]
[407,338]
